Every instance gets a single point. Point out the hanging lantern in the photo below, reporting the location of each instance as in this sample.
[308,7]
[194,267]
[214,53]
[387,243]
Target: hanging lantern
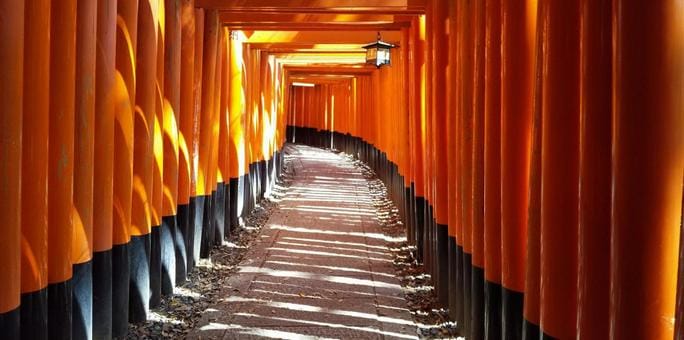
[378,53]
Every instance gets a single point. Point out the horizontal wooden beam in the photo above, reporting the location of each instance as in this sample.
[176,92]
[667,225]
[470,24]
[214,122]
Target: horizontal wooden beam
[320,69]
[320,37]
[230,17]
[317,6]
[320,26]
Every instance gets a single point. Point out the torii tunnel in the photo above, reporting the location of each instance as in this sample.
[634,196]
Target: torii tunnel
[535,149]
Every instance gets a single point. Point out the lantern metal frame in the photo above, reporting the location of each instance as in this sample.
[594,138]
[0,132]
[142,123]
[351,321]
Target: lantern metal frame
[378,52]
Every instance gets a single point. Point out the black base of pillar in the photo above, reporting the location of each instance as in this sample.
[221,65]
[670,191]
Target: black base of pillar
[477,329]
[139,291]
[250,185]
[180,243]
[467,297]
[443,264]
[211,232]
[196,224]
[460,293]
[186,221]
[530,331]
[220,214]
[10,324]
[226,210]
[34,310]
[168,254]
[455,308]
[121,284]
[82,300]
[155,267]
[60,309]
[263,178]
[420,228]
[512,313]
[102,294]
[492,311]
[271,172]
[233,198]
[207,235]
[408,219]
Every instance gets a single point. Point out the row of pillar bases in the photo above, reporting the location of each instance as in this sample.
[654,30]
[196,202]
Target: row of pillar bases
[121,285]
[481,308]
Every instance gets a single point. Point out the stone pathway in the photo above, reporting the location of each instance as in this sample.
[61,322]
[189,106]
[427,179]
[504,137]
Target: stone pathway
[321,267]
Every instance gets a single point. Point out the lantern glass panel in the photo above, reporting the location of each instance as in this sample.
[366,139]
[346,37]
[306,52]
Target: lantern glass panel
[371,54]
[383,56]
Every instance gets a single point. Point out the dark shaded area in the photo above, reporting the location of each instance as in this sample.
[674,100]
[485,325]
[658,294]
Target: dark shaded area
[9,324]
[102,294]
[82,320]
[139,293]
[34,313]
[60,309]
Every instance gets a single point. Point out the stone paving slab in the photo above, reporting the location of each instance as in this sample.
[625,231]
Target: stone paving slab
[321,268]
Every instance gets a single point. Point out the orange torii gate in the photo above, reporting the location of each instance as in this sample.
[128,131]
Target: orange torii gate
[534,149]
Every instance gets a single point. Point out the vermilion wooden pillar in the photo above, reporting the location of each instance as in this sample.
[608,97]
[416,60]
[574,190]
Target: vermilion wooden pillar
[204,185]
[11,91]
[428,164]
[648,162]
[593,255]
[559,29]
[124,133]
[218,204]
[173,245]
[61,167]
[185,133]
[517,60]
[196,202]
[157,151]
[103,181]
[477,279]
[223,175]
[492,170]
[453,162]
[143,161]
[84,163]
[419,169]
[441,199]
[34,171]
[532,278]
[466,62]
